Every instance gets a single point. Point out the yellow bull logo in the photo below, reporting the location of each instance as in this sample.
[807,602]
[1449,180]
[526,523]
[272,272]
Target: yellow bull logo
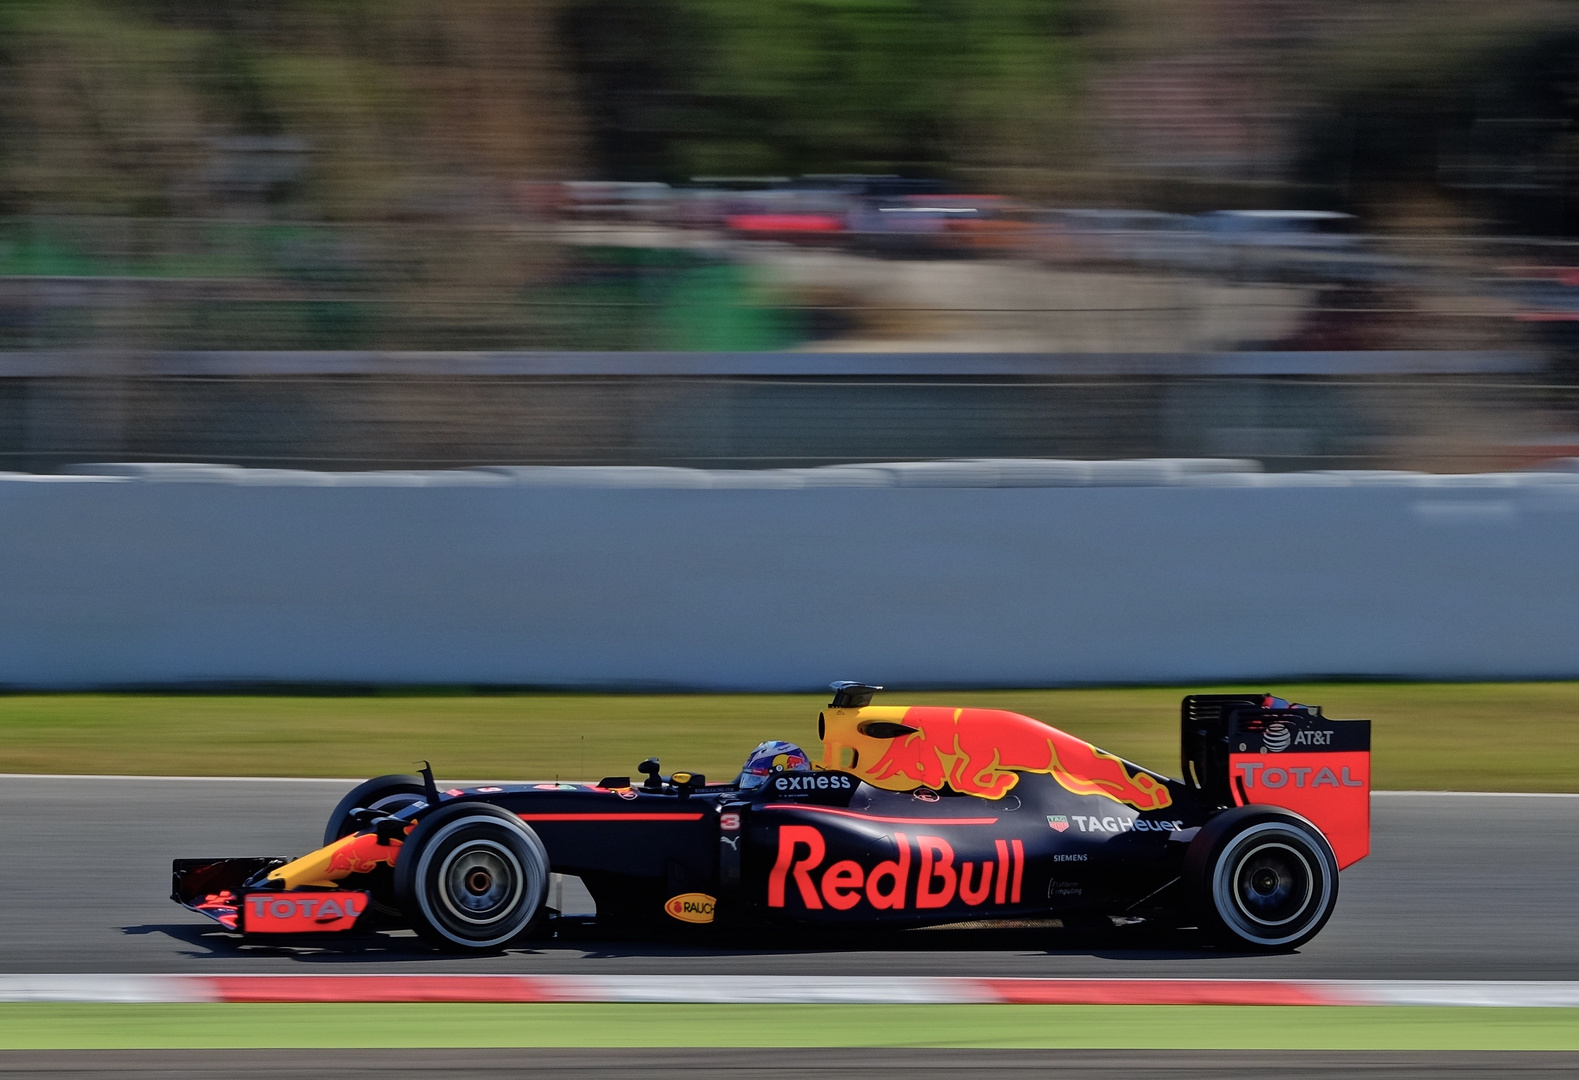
[981,752]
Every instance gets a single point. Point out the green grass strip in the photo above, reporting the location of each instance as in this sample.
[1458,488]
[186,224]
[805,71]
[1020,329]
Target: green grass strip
[50,1026]
[1440,736]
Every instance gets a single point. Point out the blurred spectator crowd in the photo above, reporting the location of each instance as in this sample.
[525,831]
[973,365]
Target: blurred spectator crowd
[833,263]
[892,215]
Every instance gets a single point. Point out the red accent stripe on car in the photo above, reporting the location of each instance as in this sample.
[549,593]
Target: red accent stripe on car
[890,820]
[633,816]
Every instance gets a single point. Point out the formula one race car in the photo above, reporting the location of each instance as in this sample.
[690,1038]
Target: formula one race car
[917,816]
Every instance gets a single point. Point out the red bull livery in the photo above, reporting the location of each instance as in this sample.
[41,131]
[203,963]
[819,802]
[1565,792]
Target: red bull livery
[916,816]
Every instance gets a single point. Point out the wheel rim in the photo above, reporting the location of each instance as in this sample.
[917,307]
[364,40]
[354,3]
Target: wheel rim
[1273,884]
[481,882]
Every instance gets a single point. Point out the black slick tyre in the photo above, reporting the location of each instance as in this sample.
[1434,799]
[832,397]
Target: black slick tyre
[472,878]
[1262,878]
[390,794]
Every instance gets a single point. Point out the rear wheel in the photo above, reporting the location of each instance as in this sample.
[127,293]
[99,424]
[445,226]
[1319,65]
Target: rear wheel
[473,878]
[1264,879]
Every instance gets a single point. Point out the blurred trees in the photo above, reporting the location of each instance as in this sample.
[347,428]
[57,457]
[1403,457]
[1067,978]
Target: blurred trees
[1457,111]
[124,106]
[347,173]
[121,105]
[192,131]
[807,86]
[380,110]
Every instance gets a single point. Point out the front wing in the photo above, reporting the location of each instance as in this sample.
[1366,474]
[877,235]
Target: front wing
[217,888]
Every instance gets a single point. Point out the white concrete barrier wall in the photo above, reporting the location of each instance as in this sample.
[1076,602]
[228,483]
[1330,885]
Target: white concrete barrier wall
[959,574]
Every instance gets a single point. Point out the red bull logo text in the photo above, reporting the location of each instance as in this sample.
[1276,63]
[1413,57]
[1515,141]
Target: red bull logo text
[978,752]
[938,881]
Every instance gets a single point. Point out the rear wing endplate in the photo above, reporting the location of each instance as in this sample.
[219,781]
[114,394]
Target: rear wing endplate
[1243,749]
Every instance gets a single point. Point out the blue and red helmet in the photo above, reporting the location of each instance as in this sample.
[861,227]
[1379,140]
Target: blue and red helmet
[771,757]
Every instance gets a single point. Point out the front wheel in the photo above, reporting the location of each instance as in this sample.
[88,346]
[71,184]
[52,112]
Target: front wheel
[472,878]
[389,794]
[1263,879]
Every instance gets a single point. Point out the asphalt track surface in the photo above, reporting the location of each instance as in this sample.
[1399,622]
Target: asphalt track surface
[783,1064]
[1457,887]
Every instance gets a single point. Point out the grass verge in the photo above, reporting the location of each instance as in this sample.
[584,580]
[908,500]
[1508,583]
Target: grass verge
[1446,736]
[43,1026]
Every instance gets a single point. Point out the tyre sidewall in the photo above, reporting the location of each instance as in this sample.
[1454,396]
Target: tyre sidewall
[451,832]
[1222,845]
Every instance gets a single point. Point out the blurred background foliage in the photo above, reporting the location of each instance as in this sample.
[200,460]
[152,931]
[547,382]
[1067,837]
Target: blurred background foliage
[136,107]
[362,172]
[918,87]
[399,109]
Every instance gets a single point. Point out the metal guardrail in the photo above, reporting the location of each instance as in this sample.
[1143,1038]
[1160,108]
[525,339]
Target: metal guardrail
[1434,411]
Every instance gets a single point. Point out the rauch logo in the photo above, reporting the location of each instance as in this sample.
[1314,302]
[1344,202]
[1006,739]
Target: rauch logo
[693,907]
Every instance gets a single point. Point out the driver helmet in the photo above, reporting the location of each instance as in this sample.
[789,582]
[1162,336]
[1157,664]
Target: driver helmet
[771,757]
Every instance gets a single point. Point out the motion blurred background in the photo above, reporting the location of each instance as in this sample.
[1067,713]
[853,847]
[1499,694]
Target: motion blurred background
[1062,356]
[342,234]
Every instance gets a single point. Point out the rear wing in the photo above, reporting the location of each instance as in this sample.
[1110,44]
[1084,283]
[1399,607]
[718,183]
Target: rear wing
[1239,749]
